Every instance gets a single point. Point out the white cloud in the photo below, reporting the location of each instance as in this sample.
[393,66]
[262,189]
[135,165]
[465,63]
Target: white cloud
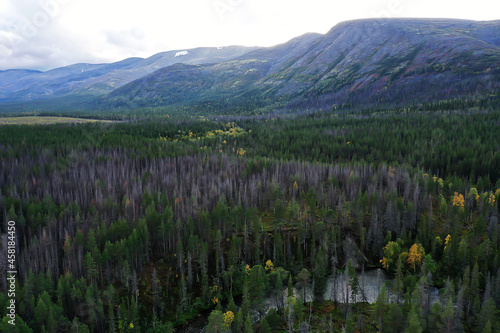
[50,33]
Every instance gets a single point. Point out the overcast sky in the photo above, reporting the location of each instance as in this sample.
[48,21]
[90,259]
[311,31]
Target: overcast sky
[44,34]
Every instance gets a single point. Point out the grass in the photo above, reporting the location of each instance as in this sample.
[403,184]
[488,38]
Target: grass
[45,120]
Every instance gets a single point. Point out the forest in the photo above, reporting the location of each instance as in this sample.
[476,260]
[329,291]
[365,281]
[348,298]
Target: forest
[188,223]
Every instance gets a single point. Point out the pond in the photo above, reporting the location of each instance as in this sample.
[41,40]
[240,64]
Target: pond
[370,283]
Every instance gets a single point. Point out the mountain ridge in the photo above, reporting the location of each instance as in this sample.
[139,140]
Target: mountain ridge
[358,62]
[99,79]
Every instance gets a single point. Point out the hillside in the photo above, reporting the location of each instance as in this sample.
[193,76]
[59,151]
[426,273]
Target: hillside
[89,79]
[393,61]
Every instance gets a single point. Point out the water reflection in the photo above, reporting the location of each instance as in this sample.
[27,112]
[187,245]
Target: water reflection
[370,283]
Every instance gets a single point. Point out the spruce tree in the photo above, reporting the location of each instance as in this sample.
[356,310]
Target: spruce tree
[414,325]
[248,325]
[216,322]
[319,276]
[238,323]
[264,326]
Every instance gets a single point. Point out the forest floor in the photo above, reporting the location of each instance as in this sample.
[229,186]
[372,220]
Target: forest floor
[45,120]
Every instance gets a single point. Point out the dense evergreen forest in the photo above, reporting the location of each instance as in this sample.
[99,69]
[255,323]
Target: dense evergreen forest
[152,224]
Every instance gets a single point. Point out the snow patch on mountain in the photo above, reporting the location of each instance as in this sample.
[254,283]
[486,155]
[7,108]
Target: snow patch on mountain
[181,53]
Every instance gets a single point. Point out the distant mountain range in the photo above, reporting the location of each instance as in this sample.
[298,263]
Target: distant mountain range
[362,62]
[89,79]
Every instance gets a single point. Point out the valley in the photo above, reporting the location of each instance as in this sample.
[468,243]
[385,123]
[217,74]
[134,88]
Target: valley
[338,182]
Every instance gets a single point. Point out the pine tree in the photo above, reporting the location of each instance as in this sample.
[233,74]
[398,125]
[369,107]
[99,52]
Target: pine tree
[245,305]
[448,318]
[435,315]
[279,212]
[111,319]
[381,307]
[231,306]
[52,324]
[20,327]
[319,276]
[474,289]
[205,289]
[298,309]
[158,327]
[278,291]
[349,326]
[395,320]
[398,281]
[76,326]
[257,283]
[90,267]
[216,322]
[238,323]
[487,327]
[264,326]
[290,286]
[248,325]
[41,313]
[134,316]
[273,318]
[414,325]
[289,315]
[303,279]
[300,258]
[489,313]
[353,281]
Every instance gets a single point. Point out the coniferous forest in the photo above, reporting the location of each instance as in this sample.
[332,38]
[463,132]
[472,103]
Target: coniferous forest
[161,222]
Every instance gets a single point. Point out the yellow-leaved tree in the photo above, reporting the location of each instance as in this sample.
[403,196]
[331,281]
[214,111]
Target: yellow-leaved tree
[228,318]
[458,200]
[415,256]
[269,266]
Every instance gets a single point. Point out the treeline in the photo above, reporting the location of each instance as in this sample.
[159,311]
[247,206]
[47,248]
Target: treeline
[136,227]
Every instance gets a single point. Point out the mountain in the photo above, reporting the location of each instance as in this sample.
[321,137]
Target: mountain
[389,61]
[216,82]
[15,74]
[383,62]
[99,79]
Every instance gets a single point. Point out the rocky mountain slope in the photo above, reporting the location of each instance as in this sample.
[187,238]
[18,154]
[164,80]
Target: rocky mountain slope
[391,61]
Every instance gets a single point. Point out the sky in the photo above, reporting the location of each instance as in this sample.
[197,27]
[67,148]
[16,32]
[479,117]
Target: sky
[45,34]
